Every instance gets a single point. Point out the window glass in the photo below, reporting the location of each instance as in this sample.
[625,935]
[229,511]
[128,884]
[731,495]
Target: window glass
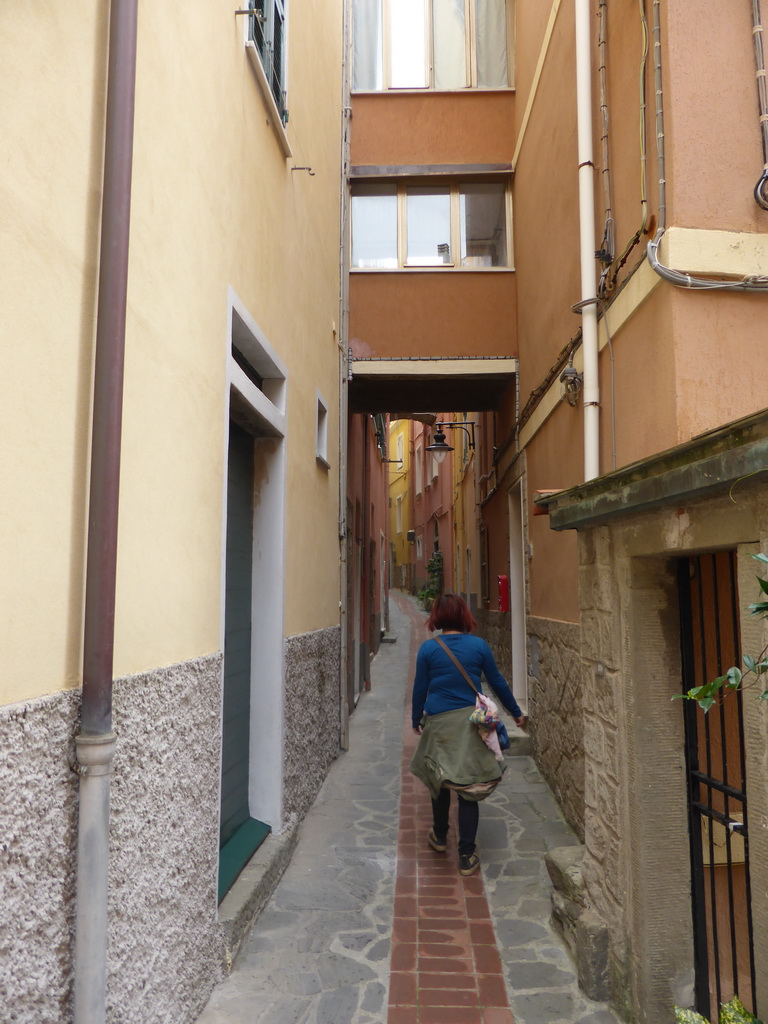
[491,31]
[267,31]
[408,44]
[483,225]
[374,226]
[449,32]
[428,212]
[366,45]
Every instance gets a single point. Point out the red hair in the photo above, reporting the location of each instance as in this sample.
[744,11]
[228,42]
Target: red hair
[449,611]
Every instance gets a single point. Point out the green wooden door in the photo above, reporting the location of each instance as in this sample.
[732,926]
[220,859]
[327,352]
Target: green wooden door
[239,834]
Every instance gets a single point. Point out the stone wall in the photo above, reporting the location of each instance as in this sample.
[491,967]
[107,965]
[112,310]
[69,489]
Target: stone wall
[556,710]
[164,949]
[312,715]
[602,685]
[495,628]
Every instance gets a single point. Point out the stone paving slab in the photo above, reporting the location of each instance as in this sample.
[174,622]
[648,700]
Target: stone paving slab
[320,951]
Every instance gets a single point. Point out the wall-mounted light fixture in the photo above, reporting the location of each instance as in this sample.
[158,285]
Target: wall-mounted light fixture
[571,382]
[440,448]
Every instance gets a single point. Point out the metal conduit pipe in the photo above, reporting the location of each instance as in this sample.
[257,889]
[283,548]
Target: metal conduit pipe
[591,390]
[608,244]
[761,188]
[95,743]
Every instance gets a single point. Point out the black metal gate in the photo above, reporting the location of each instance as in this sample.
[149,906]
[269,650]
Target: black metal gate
[722,911]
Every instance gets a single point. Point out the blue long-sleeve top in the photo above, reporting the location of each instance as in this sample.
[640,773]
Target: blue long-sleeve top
[439,686]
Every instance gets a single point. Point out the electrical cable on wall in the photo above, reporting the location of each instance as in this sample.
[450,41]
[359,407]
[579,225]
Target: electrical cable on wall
[608,244]
[610,274]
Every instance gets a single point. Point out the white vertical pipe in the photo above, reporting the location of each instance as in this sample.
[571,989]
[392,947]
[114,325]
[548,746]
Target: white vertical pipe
[591,391]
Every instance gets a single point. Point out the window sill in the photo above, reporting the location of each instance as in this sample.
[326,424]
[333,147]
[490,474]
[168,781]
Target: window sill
[433,92]
[273,114]
[431,270]
[322,461]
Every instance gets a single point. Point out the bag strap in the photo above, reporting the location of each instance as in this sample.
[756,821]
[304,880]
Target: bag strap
[456,662]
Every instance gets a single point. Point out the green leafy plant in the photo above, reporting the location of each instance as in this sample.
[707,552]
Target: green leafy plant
[730,1013]
[709,693]
[434,585]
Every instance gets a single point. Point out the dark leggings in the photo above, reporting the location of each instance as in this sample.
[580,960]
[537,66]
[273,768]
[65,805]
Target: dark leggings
[469,815]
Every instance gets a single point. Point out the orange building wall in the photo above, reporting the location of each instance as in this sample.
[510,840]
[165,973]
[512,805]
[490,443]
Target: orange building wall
[446,313]
[433,128]
[546,208]
[711,115]
[554,461]
[720,341]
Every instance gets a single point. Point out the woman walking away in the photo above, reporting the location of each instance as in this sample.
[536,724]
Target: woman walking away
[451,753]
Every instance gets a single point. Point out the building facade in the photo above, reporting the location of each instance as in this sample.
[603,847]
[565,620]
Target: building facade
[604,523]
[227,636]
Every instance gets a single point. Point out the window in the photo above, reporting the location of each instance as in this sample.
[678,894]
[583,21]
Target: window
[430,44]
[428,233]
[400,449]
[464,225]
[321,443]
[399,514]
[418,470]
[374,227]
[266,30]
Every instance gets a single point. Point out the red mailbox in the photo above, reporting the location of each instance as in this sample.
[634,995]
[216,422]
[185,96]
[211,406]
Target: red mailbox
[503,593]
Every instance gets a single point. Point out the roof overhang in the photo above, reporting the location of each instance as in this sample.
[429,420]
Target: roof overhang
[467,382]
[709,464]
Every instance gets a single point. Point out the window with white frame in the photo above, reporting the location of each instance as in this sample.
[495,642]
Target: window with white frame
[463,225]
[321,443]
[400,443]
[431,44]
[418,470]
[419,546]
[266,29]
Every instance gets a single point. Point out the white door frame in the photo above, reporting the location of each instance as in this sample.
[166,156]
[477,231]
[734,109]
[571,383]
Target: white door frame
[519,639]
[261,411]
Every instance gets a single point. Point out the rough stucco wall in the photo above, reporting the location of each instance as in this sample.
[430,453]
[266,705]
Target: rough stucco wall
[312,715]
[37,835]
[555,699]
[164,949]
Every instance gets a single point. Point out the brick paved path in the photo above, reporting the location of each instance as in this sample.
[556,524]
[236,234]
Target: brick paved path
[370,926]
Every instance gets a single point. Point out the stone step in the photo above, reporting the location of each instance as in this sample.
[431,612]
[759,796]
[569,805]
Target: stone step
[584,933]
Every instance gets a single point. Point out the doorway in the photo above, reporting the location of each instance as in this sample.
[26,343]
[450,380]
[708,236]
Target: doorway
[240,835]
[252,588]
[717,789]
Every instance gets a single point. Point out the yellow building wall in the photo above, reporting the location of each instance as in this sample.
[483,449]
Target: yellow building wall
[215,206]
[399,484]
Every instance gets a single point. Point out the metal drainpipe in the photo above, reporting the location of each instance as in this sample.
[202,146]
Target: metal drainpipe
[344,525]
[95,743]
[591,396]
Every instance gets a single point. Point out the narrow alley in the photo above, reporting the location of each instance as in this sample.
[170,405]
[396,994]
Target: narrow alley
[370,925]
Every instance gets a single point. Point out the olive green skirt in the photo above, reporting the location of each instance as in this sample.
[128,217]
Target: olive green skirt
[452,755]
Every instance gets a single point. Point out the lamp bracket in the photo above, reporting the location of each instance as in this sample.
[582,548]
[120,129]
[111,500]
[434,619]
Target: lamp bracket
[468,426]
